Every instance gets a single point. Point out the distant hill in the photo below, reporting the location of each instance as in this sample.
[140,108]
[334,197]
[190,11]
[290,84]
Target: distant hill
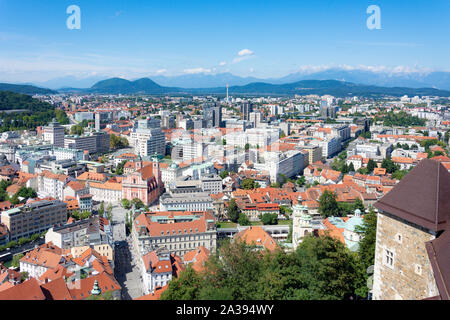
[304,87]
[333,87]
[25,89]
[322,87]
[204,80]
[140,86]
[22,112]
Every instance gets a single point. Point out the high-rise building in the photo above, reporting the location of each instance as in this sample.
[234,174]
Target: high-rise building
[54,133]
[103,141]
[212,115]
[97,121]
[98,142]
[148,138]
[327,112]
[246,109]
[256,117]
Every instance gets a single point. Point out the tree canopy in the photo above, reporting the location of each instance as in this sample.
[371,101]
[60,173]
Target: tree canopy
[328,205]
[233,211]
[320,269]
[22,112]
[250,184]
[269,218]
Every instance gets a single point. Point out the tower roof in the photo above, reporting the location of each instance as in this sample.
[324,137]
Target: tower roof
[439,255]
[422,197]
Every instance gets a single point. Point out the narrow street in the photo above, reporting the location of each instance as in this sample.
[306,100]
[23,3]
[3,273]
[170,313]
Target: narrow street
[127,272]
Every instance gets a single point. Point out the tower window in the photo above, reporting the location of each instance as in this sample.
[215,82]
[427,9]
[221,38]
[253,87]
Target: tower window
[389,258]
[418,269]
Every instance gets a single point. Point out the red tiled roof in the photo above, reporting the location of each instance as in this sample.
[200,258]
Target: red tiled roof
[257,236]
[28,290]
[155,295]
[56,290]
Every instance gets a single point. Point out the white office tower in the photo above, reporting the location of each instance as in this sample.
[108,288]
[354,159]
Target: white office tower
[54,134]
[148,138]
[256,117]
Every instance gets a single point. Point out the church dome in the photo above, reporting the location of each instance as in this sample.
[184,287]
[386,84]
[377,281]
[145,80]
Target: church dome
[351,223]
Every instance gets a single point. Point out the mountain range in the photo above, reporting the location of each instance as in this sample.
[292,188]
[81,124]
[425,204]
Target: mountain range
[304,87]
[438,80]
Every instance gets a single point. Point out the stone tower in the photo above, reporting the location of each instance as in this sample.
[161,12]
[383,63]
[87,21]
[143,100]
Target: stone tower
[412,223]
[301,225]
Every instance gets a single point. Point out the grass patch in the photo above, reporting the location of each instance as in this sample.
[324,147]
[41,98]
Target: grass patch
[225,225]
[284,222]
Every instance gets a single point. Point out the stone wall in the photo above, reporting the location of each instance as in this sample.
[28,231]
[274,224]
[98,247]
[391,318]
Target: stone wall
[410,277]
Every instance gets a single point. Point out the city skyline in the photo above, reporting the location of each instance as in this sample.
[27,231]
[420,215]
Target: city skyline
[251,39]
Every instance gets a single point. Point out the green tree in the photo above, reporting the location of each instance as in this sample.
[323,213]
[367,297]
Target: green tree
[118,142]
[328,205]
[399,174]
[23,241]
[351,167]
[233,211]
[328,268]
[138,204]
[269,219]
[243,220]
[366,250]
[126,204]
[101,210]
[301,181]
[16,260]
[27,193]
[77,130]
[186,287]
[371,165]
[358,204]
[109,212]
[249,184]
[224,174]
[24,276]
[389,165]
[120,167]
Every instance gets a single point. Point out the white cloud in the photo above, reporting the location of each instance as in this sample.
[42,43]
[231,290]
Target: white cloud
[223,63]
[197,70]
[161,71]
[309,69]
[245,52]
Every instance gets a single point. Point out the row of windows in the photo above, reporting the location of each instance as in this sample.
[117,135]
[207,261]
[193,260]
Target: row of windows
[179,232]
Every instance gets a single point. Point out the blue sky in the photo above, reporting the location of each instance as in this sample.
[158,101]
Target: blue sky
[247,38]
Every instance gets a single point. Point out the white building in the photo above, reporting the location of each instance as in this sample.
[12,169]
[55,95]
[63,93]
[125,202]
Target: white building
[51,185]
[196,201]
[156,270]
[68,154]
[54,134]
[290,164]
[330,146]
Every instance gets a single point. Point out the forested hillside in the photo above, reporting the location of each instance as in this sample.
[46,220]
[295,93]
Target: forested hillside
[22,112]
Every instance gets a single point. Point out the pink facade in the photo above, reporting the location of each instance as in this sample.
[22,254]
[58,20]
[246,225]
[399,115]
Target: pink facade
[143,184]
